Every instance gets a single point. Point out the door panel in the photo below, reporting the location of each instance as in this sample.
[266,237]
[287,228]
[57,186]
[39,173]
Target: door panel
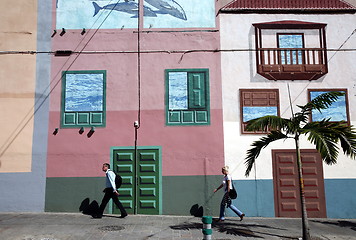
[148,185]
[124,165]
[286,183]
[140,188]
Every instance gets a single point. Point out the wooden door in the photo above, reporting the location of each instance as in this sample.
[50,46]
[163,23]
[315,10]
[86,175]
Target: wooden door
[286,183]
[141,179]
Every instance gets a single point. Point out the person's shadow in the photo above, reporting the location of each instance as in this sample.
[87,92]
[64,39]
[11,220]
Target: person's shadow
[89,208]
[197,211]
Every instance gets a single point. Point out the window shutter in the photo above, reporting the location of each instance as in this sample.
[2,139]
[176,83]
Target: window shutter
[196,91]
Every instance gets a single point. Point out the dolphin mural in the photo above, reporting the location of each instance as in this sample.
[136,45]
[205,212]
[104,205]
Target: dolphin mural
[170,7]
[127,7]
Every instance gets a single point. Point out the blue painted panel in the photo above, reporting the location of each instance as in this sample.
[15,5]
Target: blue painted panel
[84,92]
[181,14]
[108,14]
[340,198]
[255,198]
[92,14]
[250,113]
[336,112]
[178,90]
[291,41]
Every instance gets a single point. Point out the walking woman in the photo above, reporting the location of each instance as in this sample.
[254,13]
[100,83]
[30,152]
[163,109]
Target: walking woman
[226,201]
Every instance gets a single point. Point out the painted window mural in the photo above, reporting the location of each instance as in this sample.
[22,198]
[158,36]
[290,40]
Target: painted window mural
[111,14]
[178,94]
[291,41]
[83,98]
[338,111]
[187,96]
[257,103]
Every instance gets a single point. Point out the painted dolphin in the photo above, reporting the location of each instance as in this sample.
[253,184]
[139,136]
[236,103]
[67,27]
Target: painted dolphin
[170,7]
[126,7]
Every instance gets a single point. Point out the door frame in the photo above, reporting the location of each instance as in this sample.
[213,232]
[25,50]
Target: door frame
[159,148]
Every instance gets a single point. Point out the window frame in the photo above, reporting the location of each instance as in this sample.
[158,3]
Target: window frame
[195,116]
[241,97]
[332,90]
[76,115]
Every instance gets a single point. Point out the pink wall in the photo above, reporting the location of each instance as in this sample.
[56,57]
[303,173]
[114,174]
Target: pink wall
[186,150]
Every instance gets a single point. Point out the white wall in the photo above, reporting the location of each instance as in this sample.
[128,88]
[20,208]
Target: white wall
[239,71]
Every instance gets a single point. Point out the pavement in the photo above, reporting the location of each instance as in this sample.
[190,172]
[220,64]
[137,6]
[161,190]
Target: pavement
[78,226]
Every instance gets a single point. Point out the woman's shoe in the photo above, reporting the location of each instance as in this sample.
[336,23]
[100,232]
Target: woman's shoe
[242,217]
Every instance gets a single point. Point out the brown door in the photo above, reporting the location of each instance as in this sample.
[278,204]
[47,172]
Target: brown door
[286,183]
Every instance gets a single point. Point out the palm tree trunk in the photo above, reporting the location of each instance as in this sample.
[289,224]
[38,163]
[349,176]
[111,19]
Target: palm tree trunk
[305,224]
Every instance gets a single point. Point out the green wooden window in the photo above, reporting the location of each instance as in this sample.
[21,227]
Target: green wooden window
[187,97]
[83,99]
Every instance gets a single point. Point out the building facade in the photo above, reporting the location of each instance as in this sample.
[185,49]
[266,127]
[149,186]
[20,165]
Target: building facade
[277,57]
[140,91]
[161,90]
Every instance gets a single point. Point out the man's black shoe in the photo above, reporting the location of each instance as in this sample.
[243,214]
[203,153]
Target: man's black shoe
[97,216]
[123,215]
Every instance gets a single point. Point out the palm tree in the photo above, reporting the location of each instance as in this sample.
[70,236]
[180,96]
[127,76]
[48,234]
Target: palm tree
[325,135]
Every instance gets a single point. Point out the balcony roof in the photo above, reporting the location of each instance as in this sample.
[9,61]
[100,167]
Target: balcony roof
[289,24]
[282,6]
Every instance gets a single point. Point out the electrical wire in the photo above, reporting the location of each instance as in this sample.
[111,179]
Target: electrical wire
[153,51]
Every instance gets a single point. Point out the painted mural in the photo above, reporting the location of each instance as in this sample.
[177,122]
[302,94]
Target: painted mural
[84,92]
[250,113]
[178,90]
[291,41]
[111,14]
[336,112]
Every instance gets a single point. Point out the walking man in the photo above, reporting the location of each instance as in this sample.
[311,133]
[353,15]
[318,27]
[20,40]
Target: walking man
[110,192]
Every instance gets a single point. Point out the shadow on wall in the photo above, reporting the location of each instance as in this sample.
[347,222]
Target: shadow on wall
[89,208]
[197,211]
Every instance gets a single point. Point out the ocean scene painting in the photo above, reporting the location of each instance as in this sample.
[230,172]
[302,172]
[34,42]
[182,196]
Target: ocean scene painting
[111,14]
[336,112]
[178,90]
[291,41]
[84,92]
[250,113]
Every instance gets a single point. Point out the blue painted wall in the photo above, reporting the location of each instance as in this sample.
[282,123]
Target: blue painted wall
[255,198]
[340,198]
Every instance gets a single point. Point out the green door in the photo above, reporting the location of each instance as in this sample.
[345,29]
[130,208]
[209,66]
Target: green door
[140,192]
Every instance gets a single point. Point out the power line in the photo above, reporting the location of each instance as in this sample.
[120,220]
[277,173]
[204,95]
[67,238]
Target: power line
[154,51]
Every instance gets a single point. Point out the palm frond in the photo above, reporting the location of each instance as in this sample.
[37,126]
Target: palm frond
[322,136]
[258,145]
[347,136]
[325,135]
[322,101]
[267,122]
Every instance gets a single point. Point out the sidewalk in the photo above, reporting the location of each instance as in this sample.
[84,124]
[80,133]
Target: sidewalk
[77,226]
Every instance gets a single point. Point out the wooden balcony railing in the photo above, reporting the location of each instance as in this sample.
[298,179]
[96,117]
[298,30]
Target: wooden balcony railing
[292,63]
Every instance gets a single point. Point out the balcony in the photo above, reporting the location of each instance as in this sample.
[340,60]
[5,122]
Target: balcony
[281,52]
[291,63]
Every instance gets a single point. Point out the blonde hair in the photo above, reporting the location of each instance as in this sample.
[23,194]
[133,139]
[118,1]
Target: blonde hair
[226,168]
